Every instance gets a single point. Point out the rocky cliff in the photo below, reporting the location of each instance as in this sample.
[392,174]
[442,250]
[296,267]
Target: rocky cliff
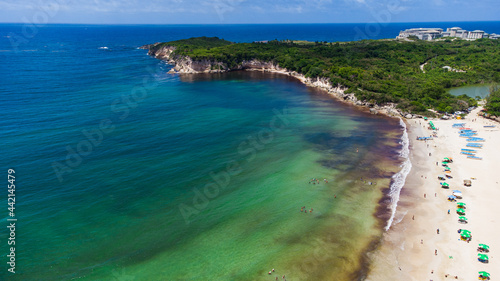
[184,64]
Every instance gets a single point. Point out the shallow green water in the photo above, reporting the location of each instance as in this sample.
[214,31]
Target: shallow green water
[472,91]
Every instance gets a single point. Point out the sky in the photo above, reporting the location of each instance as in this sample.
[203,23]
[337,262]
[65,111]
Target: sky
[245,11]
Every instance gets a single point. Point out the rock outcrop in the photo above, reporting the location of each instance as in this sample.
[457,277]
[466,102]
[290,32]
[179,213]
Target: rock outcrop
[185,64]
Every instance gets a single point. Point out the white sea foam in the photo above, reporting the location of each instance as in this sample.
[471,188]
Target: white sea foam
[398,180]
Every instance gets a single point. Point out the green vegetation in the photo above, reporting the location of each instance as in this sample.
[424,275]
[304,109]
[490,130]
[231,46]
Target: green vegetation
[377,71]
[493,101]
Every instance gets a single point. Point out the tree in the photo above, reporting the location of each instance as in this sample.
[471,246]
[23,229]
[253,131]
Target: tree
[493,100]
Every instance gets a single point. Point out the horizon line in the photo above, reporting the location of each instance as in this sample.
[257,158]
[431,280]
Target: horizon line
[289,23]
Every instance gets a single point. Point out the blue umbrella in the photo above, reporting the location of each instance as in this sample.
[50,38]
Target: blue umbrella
[452,197]
[458,191]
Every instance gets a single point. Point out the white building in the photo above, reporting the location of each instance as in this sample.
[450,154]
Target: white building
[421,33]
[434,33]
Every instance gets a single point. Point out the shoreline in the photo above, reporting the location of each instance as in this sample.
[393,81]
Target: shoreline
[185,65]
[407,250]
[396,253]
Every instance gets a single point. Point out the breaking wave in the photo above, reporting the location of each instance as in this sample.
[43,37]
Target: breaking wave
[398,180]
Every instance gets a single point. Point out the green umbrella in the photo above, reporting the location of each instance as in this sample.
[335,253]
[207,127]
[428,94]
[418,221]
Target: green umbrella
[444,163]
[462,218]
[482,257]
[484,246]
[465,235]
[465,231]
[447,168]
[461,211]
[484,273]
[461,204]
[445,184]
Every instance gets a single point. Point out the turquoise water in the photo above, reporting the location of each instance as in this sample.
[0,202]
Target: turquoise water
[124,172]
[481,91]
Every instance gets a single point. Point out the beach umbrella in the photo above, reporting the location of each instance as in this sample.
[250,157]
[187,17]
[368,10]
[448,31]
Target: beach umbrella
[445,184]
[483,257]
[465,231]
[457,191]
[465,235]
[461,218]
[484,246]
[484,274]
[444,163]
[447,168]
[461,204]
[461,211]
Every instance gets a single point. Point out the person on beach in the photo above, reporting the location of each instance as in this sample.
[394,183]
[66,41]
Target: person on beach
[448,211]
[435,252]
[437,231]
[425,195]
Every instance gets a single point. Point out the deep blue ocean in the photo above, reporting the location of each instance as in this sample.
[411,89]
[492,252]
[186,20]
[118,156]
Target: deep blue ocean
[125,172]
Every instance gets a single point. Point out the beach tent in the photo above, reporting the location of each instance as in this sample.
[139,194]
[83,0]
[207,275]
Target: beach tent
[482,257]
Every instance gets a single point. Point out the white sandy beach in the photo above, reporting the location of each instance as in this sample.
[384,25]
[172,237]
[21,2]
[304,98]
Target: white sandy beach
[402,255]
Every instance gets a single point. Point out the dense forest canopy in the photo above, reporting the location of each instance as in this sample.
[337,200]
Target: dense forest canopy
[377,71]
